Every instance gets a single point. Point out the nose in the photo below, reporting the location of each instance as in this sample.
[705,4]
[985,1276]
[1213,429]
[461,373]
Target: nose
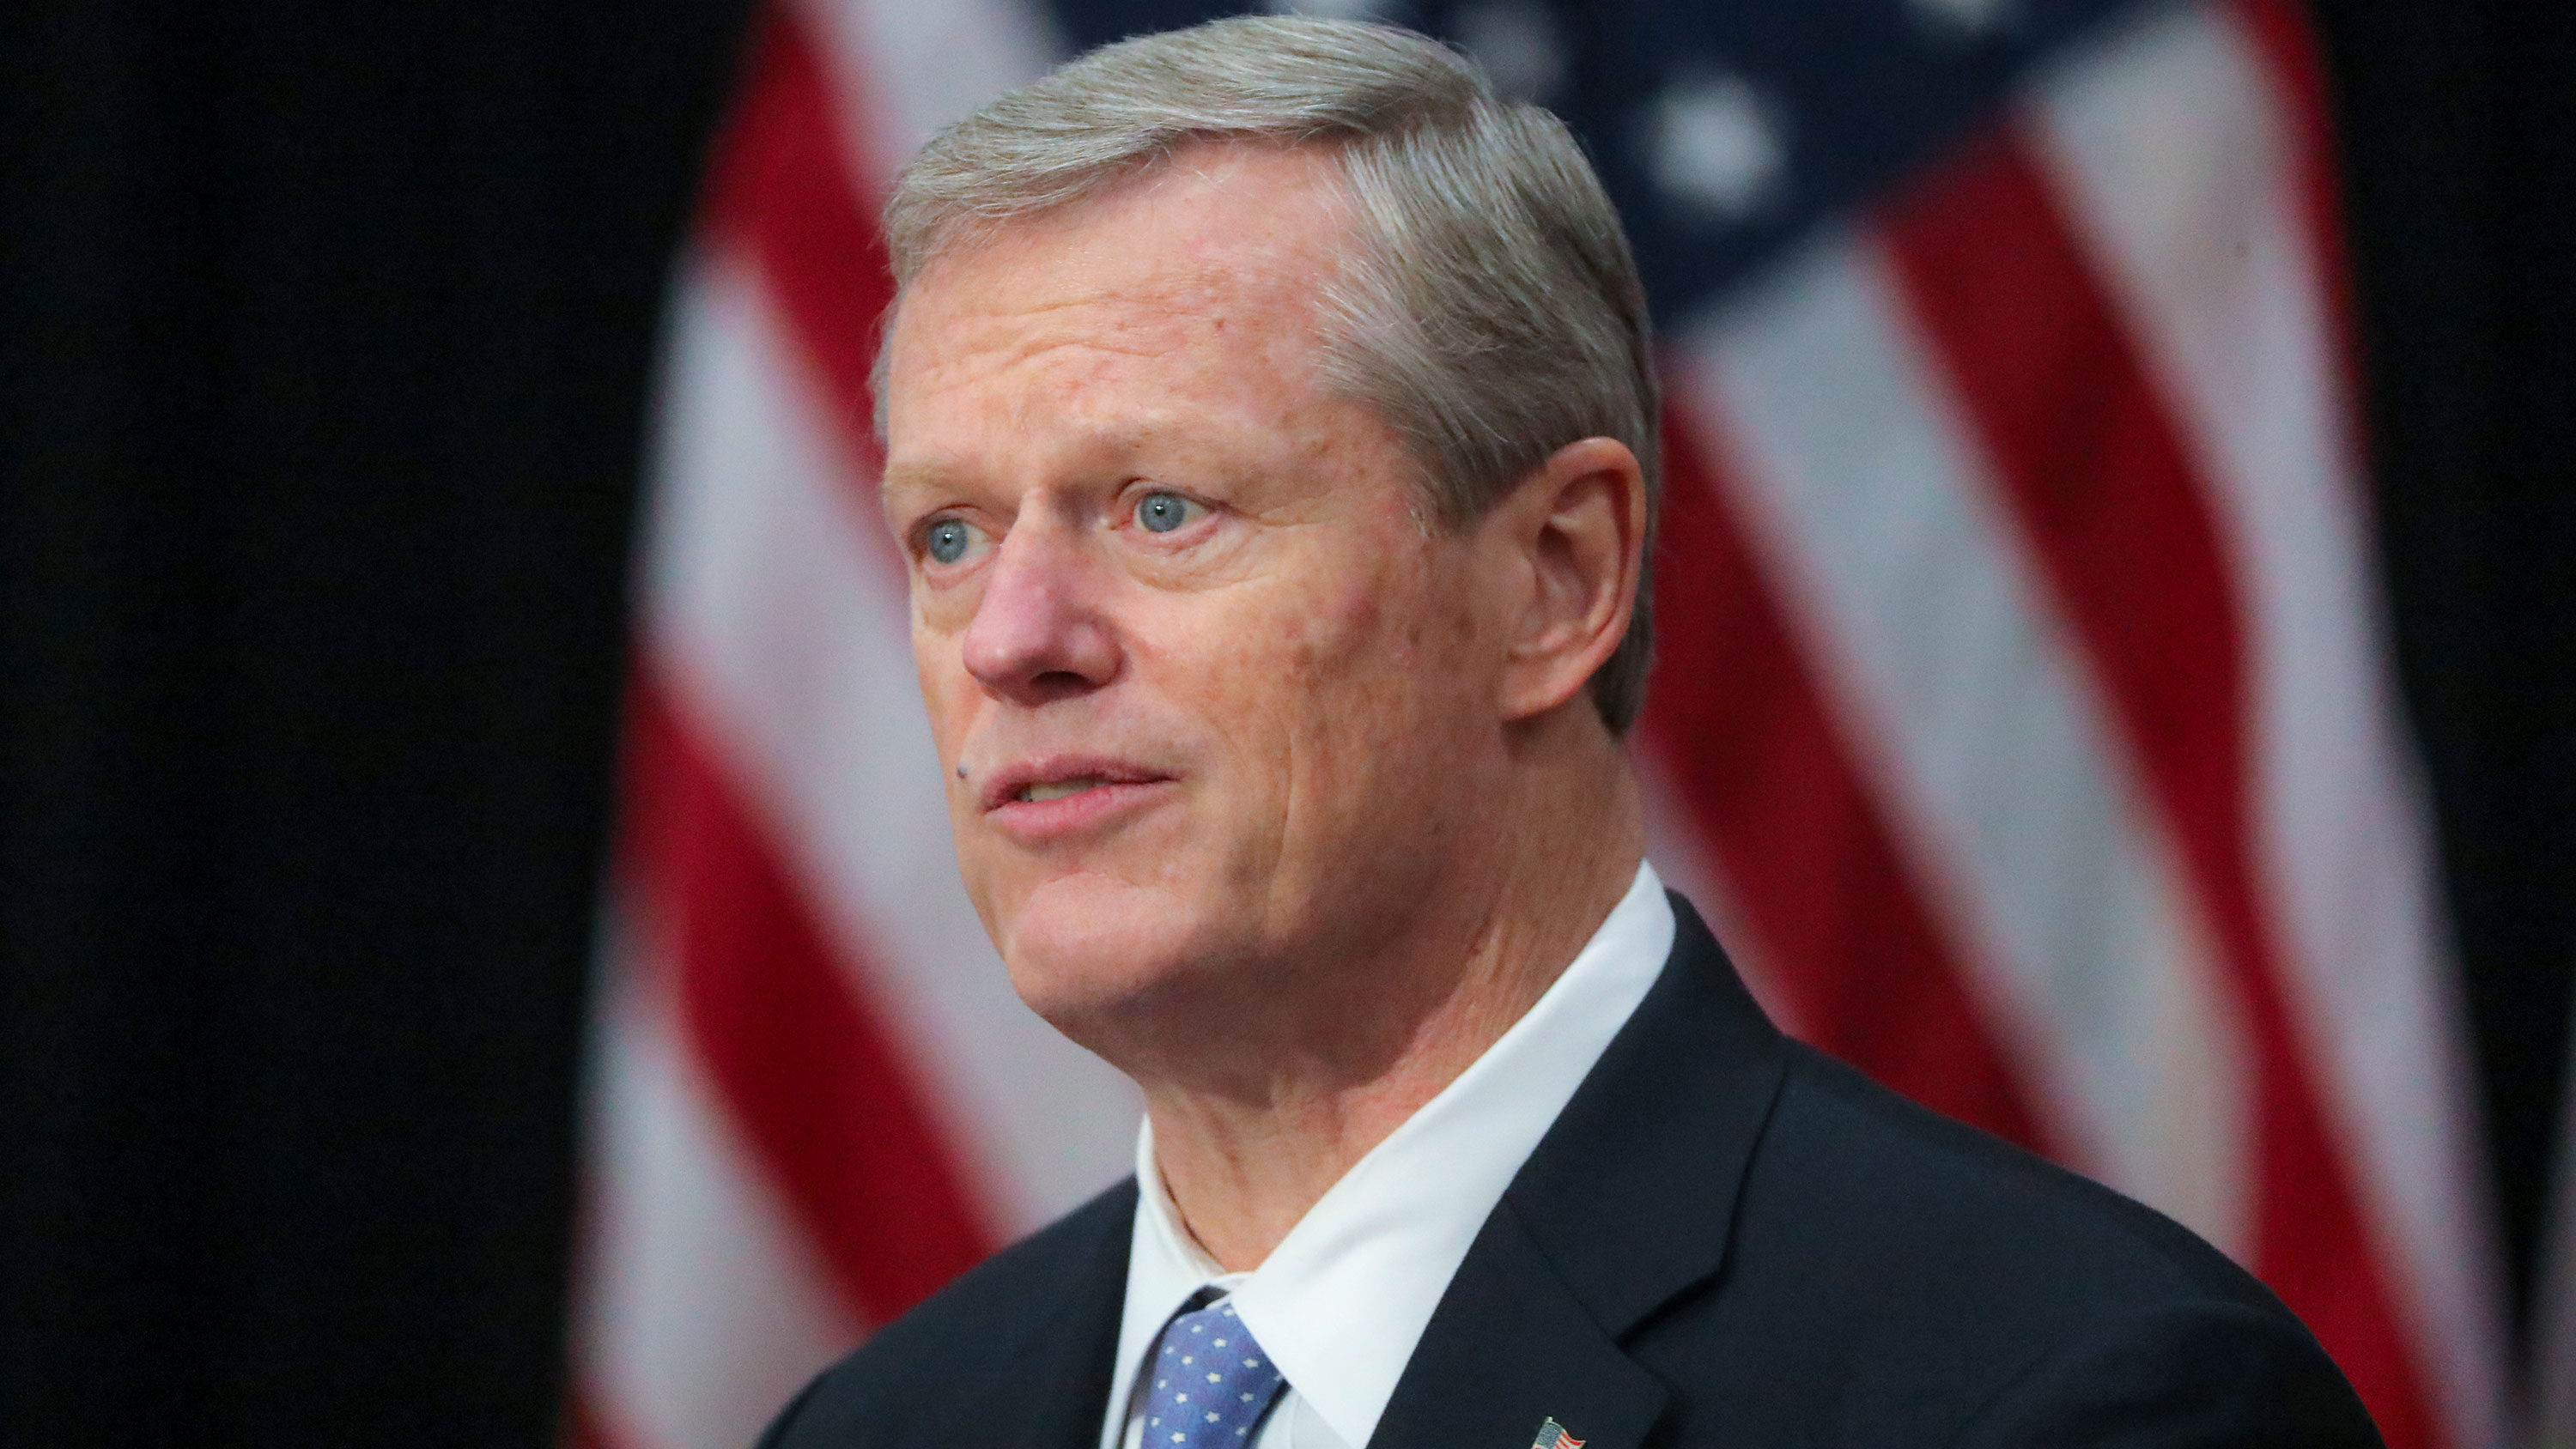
[1040,633]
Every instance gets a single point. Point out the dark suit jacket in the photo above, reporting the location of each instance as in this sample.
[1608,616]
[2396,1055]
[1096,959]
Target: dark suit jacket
[1726,1239]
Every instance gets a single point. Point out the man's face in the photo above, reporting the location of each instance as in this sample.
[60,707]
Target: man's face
[1226,708]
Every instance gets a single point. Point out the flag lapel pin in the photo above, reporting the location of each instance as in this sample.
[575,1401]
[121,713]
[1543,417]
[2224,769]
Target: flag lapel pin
[1552,1435]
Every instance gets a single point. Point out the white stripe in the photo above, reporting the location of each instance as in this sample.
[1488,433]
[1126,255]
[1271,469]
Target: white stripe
[777,610]
[905,68]
[703,1308]
[2171,144]
[1974,716]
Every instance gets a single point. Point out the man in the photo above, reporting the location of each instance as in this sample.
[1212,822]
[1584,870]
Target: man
[1270,429]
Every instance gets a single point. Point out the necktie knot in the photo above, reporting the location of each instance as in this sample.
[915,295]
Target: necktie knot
[1211,1382]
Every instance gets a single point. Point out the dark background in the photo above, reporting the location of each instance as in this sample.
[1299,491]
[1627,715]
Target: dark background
[325,337]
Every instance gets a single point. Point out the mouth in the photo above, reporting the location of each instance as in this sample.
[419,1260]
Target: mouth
[1050,797]
[1037,791]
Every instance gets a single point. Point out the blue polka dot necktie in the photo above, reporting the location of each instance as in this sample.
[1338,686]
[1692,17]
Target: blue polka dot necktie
[1212,1383]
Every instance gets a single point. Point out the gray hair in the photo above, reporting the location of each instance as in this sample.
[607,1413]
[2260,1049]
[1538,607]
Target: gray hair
[1491,312]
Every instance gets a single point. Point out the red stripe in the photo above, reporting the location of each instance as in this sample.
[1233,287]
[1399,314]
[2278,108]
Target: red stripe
[587,1426]
[768,1006]
[2091,469]
[581,1428]
[1756,760]
[784,190]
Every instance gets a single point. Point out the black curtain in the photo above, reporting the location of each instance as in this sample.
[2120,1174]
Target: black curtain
[2459,130]
[325,334]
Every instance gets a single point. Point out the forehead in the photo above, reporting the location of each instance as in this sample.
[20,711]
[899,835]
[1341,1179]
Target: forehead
[1216,258]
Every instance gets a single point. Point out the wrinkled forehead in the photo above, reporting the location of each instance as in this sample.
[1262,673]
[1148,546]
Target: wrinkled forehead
[1177,322]
[1220,237]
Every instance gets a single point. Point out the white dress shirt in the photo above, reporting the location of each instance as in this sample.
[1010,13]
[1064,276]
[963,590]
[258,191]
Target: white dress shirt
[1343,1299]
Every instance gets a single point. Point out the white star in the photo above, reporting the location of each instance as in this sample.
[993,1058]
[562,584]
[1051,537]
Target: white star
[1211,1418]
[1717,146]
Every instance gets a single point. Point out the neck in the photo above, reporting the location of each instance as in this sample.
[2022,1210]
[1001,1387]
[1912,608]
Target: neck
[1244,1166]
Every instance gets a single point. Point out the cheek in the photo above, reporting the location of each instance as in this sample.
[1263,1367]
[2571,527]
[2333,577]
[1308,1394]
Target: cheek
[936,665]
[1334,640]
[1292,694]
[1391,648]
[940,616]
[1370,677]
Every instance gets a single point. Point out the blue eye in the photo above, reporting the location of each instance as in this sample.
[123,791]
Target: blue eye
[947,540]
[1163,512]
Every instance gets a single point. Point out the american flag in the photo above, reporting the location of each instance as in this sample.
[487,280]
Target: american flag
[2022,710]
[1552,1435]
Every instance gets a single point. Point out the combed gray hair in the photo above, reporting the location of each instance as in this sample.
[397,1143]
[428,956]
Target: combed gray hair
[1491,312]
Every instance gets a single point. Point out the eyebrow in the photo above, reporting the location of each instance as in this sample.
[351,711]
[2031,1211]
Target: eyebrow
[1107,448]
[914,477]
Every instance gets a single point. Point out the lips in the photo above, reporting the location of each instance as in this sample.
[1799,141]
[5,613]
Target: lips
[1039,791]
[1041,779]
[1054,797]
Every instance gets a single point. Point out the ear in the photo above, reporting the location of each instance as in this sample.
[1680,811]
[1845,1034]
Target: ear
[1578,523]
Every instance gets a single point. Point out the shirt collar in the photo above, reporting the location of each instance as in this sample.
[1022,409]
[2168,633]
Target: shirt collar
[1343,1299]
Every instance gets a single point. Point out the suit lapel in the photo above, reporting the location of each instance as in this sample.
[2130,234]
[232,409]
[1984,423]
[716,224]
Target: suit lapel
[1509,1348]
[1625,1204]
[1054,1384]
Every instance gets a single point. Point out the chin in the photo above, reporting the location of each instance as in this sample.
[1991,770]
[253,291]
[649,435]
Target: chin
[1088,951]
